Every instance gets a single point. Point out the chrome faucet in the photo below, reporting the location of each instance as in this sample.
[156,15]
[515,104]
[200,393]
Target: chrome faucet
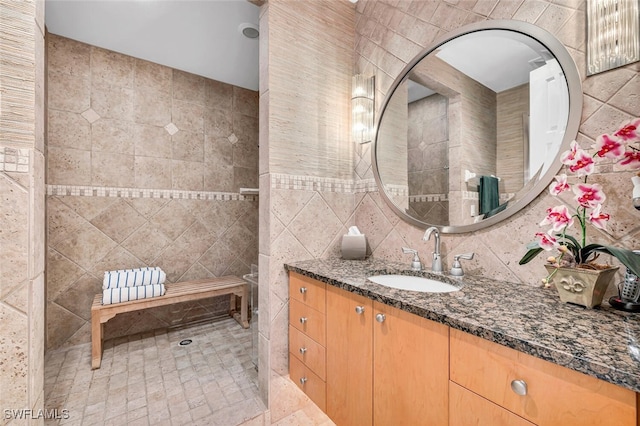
[436,263]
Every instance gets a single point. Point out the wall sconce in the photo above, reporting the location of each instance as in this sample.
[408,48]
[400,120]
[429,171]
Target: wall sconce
[362,94]
[613,34]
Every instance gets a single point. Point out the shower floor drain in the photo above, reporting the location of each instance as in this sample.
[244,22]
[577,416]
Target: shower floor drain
[185,342]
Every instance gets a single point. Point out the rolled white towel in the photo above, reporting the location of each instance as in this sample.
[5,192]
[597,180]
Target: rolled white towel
[133,277]
[125,294]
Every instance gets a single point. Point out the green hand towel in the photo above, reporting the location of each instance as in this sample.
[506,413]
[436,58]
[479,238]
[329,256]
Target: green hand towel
[488,194]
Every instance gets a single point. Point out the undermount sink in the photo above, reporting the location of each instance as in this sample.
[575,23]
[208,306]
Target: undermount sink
[408,282]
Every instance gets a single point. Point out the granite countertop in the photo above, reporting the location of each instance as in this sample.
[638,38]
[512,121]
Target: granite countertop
[601,342]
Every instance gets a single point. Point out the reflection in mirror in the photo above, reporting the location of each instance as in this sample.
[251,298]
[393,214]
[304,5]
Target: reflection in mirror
[471,127]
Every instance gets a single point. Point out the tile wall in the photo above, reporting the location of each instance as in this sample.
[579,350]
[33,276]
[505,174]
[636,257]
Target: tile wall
[144,168]
[302,215]
[390,33]
[22,191]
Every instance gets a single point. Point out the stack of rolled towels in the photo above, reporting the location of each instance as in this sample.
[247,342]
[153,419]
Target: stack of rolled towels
[132,284]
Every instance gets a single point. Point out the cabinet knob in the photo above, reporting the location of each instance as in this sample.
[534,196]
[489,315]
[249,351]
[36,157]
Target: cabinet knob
[519,387]
[303,380]
[303,290]
[380,317]
[303,320]
[303,350]
[359,310]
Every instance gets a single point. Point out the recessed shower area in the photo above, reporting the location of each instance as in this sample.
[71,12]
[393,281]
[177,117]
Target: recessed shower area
[145,163]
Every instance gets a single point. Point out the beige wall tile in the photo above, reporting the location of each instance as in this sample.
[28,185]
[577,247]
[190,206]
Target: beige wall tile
[68,57]
[115,136]
[218,95]
[188,146]
[68,92]
[189,87]
[152,172]
[111,68]
[152,107]
[68,129]
[110,101]
[187,175]
[188,116]
[68,166]
[152,76]
[15,377]
[111,169]
[151,141]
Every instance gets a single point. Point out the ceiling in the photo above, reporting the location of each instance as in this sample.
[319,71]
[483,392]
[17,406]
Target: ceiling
[201,37]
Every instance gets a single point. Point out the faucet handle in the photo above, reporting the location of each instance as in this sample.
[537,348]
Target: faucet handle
[416,264]
[456,267]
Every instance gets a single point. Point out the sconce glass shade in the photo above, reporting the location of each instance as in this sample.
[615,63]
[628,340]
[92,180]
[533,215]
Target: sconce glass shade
[613,34]
[362,111]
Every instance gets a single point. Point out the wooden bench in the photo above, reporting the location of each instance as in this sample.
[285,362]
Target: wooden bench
[187,291]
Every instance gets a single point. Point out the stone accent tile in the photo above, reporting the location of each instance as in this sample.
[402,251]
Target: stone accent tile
[153,76]
[146,243]
[112,169]
[188,116]
[79,297]
[68,93]
[187,175]
[111,67]
[110,101]
[171,128]
[218,95]
[151,107]
[152,172]
[68,166]
[90,115]
[113,136]
[188,146]
[69,130]
[119,221]
[151,141]
[68,56]
[189,87]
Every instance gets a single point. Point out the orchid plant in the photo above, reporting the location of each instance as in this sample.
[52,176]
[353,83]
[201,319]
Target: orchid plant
[589,197]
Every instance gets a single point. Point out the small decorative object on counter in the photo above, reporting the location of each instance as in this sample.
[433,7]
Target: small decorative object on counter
[574,253]
[354,245]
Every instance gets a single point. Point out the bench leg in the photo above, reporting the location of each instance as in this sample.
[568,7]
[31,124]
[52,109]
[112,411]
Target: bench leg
[244,307]
[96,341]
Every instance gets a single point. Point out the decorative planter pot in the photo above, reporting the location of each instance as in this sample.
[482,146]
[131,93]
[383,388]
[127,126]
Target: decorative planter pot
[585,287]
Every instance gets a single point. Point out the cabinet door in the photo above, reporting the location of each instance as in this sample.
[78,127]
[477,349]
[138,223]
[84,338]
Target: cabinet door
[349,345]
[410,369]
[554,395]
[466,408]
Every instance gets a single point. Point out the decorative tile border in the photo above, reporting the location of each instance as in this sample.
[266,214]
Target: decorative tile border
[313,183]
[428,197]
[14,159]
[172,194]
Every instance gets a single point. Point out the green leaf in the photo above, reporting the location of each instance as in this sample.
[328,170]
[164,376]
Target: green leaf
[627,257]
[529,255]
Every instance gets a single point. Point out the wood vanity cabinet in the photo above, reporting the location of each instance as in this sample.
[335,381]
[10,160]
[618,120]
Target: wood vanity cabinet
[384,365]
[550,394]
[307,336]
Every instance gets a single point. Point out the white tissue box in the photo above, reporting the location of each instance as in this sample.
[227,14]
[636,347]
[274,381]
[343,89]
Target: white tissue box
[354,247]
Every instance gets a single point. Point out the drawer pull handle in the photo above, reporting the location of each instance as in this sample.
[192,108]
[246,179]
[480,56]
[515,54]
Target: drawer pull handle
[303,320]
[303,350]
[519,387]
[359,310]
[303,290]
[380,317]
[303,380]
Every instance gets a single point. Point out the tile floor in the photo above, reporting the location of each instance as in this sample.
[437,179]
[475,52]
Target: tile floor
[149,379]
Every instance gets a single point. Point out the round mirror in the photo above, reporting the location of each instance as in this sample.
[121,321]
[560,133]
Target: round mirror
[471,130]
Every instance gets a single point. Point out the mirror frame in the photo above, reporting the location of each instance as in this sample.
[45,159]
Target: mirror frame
[574,84]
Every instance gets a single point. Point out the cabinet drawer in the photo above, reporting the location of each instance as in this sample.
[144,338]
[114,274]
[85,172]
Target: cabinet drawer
[467,408]
[307,350]
[555,395]
[307,320]
[309,382]
[308,291]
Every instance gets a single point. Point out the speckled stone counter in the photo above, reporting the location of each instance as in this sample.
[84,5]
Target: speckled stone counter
[601,342]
